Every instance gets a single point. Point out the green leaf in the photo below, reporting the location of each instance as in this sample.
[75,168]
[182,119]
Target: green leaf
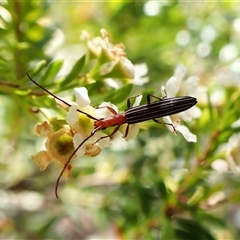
[213,220]
[183,235]
[162,189]
[74,72]
[38,67]
[120,95]
[167,230]
[44,101]
[194,229]
[52,70]
[22,92]
[2,32]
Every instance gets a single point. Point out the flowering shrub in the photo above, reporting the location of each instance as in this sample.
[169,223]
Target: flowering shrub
[156,185]
[79,136]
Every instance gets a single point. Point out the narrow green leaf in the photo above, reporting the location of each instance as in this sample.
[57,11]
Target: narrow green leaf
[44,102]
[213,220]
[167,230]
[3,32]
[120,95]
[38,67]
[162,189]
[74,72]
[194,228]
[22,92]
[183,235]
[51,72]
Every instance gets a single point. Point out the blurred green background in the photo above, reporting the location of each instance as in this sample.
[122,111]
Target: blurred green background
[156,186]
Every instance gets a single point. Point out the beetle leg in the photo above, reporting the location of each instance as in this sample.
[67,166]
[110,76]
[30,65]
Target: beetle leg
[110,135]
[109,108]
[149,96]
[126,131]
[129,100]
[170,124]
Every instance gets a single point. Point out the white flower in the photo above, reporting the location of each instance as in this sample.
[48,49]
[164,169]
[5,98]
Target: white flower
[127,67]
[72,116]
[190,137]
[138,100]
[188,87]
[82,125]
[59,147]
[121,67]
[77,140]
[107,67]
[229,76]
[140,72]
[112,58]
[133,130]
[82,97]
[220,165]
[103,112]
[169,124]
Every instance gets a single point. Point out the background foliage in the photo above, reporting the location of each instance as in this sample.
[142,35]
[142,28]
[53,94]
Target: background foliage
[157,185]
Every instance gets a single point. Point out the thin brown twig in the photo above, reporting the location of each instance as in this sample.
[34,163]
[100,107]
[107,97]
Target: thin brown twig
[8,84]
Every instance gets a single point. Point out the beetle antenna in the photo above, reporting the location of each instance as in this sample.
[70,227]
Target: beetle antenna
[58,98]
[70,158]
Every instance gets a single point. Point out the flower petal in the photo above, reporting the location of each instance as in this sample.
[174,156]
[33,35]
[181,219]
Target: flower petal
[189,114]
[169,124]
[42,159]
[163,91]
[173,86]
[190,85]
[132,131]
[92,150]
[220,165]
[127,67]
[186,133]
[138,99]
[77,140]
[103,143]
[107,67]
[103,112]
[44,129]
[82,97]
[140,71]
[233,166]
[180,71]
[113,83]
[236,124]
[72,115]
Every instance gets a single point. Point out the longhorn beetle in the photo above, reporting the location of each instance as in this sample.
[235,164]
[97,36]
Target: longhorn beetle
[150,111]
